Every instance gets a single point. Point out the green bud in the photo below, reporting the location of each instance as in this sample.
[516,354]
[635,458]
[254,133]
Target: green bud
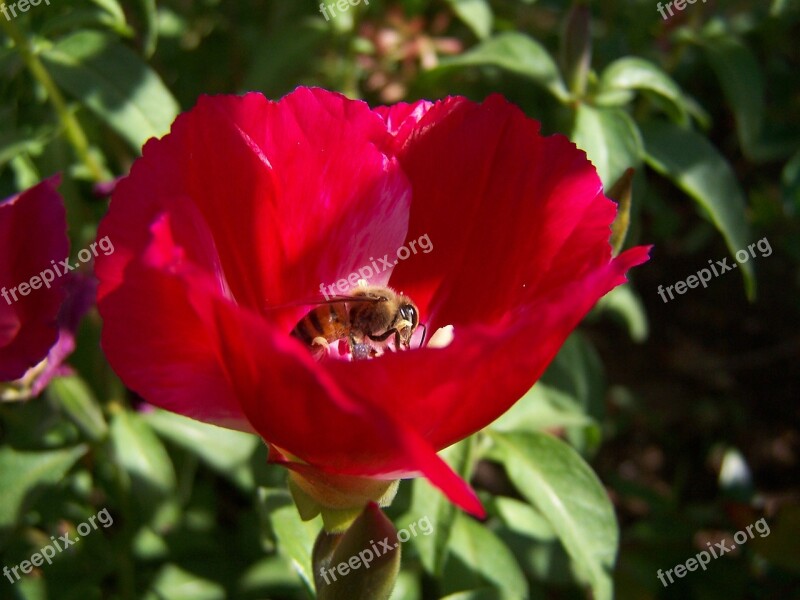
[621,193]
[360,564]
[576,48]
[338,498]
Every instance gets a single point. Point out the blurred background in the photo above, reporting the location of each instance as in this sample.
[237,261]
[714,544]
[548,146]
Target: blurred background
[687,410]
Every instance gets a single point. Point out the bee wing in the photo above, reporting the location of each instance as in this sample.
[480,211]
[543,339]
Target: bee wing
[328,300]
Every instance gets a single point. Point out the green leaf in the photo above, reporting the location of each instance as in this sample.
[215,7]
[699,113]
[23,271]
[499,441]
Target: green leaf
[576,48]
[518,54]
[740,77]
[790,182]
[533,541]
[632,73]
[114,17]
[408,587]
[478,558]
[113,8]
[273,573]
[114,83]
[779,7]
[477,14]
[611,140]
[696,167]
[556,480]
[224,450]
[14,143]
[481,594]
[284,56]
[176,584]
[625,305]
[78,401]
[25,475]
[149,13]
[295,538]
[569,394]
[428,501]
[142,455]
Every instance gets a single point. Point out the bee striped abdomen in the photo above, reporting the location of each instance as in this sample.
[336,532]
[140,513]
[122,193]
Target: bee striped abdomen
[328,321]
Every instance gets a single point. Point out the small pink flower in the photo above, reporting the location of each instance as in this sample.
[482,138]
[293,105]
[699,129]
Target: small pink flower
[33,236]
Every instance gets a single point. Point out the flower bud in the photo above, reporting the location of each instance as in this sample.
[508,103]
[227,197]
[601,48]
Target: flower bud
[361,563]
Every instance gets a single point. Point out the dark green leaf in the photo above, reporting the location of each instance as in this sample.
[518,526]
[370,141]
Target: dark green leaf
[224,450]
[576,48]
[295,538]
[557,481]
[633,73]
[790,179]
[149,11]
[25,475]
[142,455]
[742,83]
[624,304]
[534,542]
[569,394]
[114,83]
[428,501]
[611,140]
[78,401]
[481,594]
[696,167]
[477,14]
[516,53]
[478,558]
[177,584]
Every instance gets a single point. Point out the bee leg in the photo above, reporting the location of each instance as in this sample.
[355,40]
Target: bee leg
[319,347]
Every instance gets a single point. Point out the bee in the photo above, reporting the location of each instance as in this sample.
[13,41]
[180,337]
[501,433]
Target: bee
[369,314]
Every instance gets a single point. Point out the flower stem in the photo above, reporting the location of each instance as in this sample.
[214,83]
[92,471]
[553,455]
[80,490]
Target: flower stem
[75,134]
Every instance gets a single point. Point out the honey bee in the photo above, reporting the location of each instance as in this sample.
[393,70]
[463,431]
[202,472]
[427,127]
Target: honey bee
[369,314]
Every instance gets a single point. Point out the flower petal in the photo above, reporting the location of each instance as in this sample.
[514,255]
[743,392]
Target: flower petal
[295,193]
[33,234]
[520,232]
[428,389]
[286,398]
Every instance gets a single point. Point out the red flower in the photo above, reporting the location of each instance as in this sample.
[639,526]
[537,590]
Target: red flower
[248,205]
[33,237]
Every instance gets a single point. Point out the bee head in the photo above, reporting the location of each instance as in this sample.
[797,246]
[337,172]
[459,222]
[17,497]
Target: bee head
[408,319]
